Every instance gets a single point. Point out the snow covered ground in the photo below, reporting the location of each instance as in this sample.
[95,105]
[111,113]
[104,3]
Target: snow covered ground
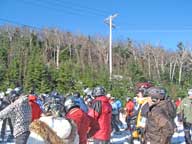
[123,137]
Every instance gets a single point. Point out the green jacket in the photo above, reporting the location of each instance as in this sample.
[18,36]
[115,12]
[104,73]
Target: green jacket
[186,108]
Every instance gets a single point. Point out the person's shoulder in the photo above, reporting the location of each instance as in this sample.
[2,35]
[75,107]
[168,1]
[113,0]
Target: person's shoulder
[21,99]
[186,99]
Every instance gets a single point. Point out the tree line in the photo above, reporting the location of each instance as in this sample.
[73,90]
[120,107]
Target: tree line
[51,59]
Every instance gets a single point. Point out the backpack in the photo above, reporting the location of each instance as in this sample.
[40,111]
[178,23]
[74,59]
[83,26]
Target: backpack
[119,104]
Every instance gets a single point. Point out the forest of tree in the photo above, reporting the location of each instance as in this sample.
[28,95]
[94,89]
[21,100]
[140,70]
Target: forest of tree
[49,59]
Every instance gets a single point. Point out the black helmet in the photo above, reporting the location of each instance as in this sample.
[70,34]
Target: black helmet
[98,91]
[76,94]
[13,95]
[142,90]
[54,105]
[70,103]
[54,108]
[156,93]
[18,90]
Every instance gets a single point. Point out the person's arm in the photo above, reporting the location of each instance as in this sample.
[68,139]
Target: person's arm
[181,107]
[7,112]
[166,124]
[93,125]
[95,109]
[83,105]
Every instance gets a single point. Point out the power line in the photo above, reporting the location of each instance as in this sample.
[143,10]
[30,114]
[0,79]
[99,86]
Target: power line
[18,23]
[156,31]
[60,9]
[79,6]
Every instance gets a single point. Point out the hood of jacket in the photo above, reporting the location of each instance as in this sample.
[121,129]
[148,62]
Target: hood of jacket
[49,135]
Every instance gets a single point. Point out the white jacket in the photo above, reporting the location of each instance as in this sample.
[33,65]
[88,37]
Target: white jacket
[61,127]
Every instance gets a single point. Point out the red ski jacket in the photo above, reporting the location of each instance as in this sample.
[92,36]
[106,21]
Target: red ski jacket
[36,110]
[101,111]
[86,125]
[129,108]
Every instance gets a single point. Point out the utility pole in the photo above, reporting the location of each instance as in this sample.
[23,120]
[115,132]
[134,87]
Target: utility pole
[109,21]
[57,36]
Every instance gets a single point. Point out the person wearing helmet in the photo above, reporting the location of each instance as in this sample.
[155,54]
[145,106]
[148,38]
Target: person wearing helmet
[18,90]
[13,96]
[80,101]
[86,125]
[8,91]
[141,108]
[185,111]
[159,127]
[53,128]
[101,111]
[87,91]
[168,105]
[88,101]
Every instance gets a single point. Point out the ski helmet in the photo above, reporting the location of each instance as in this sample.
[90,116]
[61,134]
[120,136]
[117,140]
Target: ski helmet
[155,93]
[70,103]
[98,91]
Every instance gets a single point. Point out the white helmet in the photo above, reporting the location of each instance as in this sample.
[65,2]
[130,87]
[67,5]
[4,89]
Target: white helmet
[190,92]
[2,94]
[8,91]
[128,98]
[88,91]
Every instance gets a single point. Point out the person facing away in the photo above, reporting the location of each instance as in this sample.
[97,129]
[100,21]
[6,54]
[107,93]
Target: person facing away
[129,108]
[119,108]
[101,111]
[86,125]
[159,126]
[185,115]
[178,102]
[80,101]
[19,111]
[36,110]
[115,113]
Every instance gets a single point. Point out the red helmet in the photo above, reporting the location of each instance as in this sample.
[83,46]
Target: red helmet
[143,85]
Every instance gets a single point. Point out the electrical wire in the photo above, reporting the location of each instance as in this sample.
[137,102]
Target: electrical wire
[156,31]
[17,23]
[60,9]
[79,6]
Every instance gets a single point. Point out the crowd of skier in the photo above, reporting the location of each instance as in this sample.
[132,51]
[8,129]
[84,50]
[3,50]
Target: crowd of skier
[74,119]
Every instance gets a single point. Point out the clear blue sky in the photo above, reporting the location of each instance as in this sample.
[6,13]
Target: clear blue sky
[157,21]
